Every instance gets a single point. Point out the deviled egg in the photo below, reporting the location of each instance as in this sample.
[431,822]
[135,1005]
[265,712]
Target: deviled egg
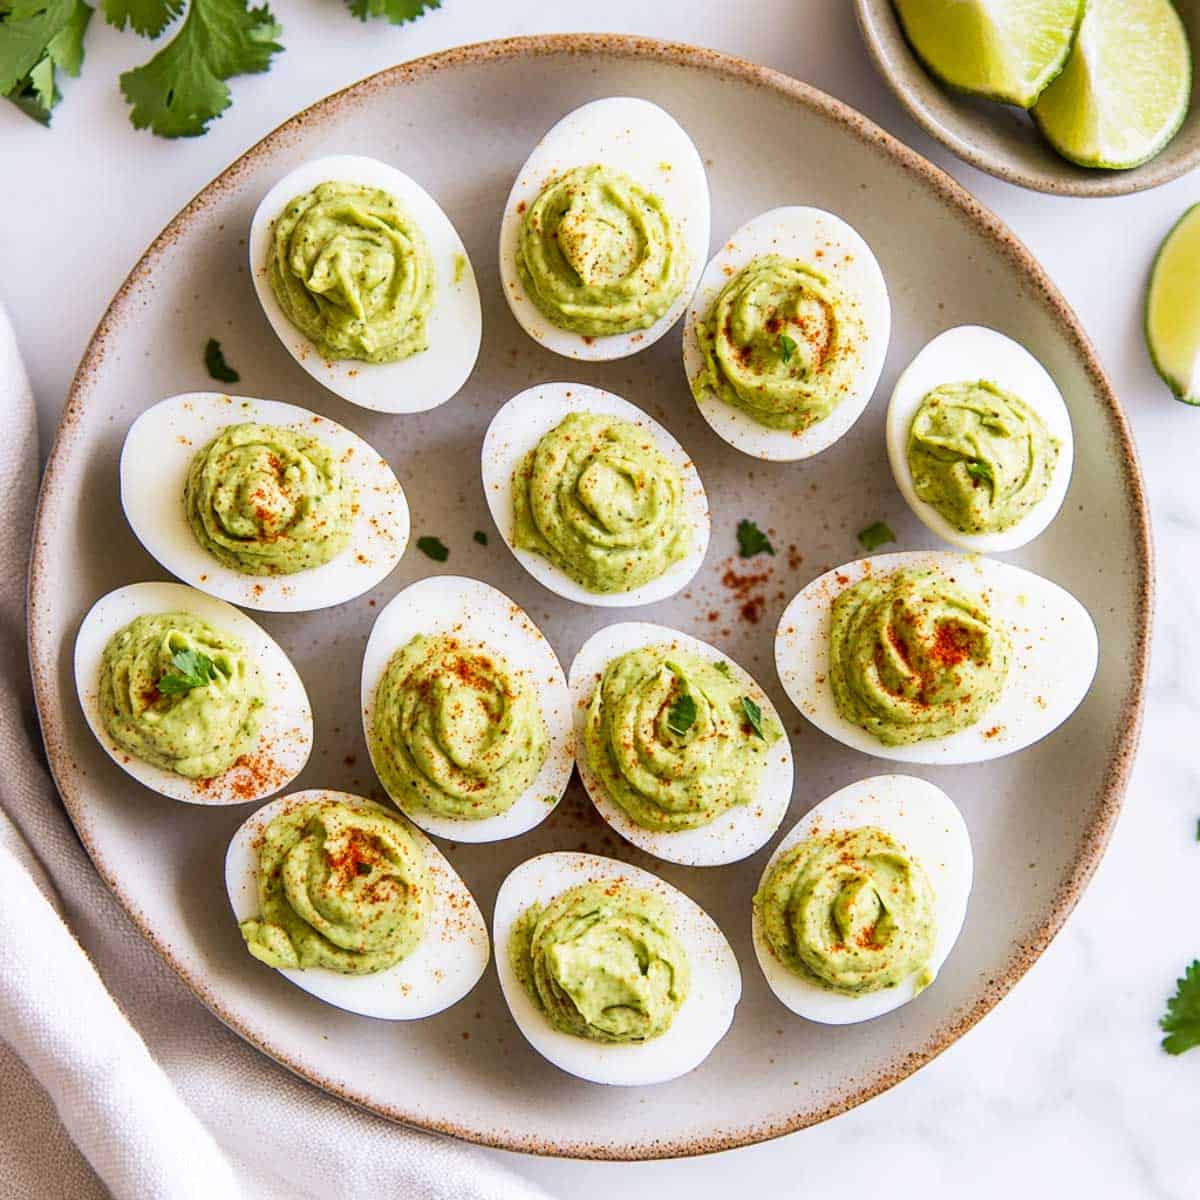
[681,751]
[863,900]
[611,973]
[979,440]
[933,657]
[466,711]
[597,501]
[787,334]
[262,504]
[190,696]
[367,283]
[605,230]
[345,899]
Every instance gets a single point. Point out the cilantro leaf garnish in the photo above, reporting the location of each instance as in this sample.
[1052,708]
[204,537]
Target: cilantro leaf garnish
[214,361]
[752,540]
[38,38]
[480,537]
[183,87]
[787,347]
[192,669]
[722,666]
[682,715]
[396,11]
[981,471]
[875,536]
[147,17]
[1182,1020]
[753,714]
[434,547]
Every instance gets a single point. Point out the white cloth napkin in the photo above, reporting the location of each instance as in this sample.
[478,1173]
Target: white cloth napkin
[109,1060]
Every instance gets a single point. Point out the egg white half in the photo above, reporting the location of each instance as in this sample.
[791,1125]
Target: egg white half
[1054,656]
[702,1020]
[926,822]
[829,245]
[444,967]
[734,834]
[476,612]
[286,723]
[518,427]
[964,355]
[158,451]
[454,326]
[647,144]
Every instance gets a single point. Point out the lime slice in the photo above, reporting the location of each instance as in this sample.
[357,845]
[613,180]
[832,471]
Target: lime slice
[1006,49]
[1173,308]
[1124,91]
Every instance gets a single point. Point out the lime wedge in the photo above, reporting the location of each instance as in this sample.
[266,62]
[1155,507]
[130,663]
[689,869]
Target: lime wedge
[1007,50]
[1173,308]
[1124,91]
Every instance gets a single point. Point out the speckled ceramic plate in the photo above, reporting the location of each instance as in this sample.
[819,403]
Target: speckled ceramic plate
[461,124]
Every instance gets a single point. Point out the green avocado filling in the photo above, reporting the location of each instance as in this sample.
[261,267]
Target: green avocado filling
[180,695]
[598,255]
[599,500]
[781,343]
[979,455]
[353,272]
[601,961]
[456,732]
[339,887]
[668,737]
[913,656]
[852,911]
[267,500]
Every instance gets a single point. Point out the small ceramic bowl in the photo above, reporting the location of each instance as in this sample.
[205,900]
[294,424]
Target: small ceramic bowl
[1004,141]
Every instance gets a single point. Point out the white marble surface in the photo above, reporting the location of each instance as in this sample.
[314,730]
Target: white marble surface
[1063,1089]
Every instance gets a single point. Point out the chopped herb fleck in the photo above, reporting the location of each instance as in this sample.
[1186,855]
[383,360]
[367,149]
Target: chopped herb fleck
[682,715]
[723,667]
[362,868]
[752,540]
[875,535]
[1182,1020]
[787,347]
[217,367]
[753,715]
[981,471]
[434,547]
[480,537]
[192,669]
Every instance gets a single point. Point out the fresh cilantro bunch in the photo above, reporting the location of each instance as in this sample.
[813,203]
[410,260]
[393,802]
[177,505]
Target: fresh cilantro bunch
[184,86]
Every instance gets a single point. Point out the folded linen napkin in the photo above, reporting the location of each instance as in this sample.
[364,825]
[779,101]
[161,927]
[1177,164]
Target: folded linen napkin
[154,1093]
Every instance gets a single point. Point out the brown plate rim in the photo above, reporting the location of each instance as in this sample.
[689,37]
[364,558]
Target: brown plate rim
[43,651]
[1081,182]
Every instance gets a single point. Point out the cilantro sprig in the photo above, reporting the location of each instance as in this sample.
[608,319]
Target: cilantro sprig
[1181,1023]
[752,540]
[182,88]
[190,669]
[398,12]
[433,548]
[980,471]
[787,347]
[215,364]
[875,536]
[682,715]
[39,38]
[753,714]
